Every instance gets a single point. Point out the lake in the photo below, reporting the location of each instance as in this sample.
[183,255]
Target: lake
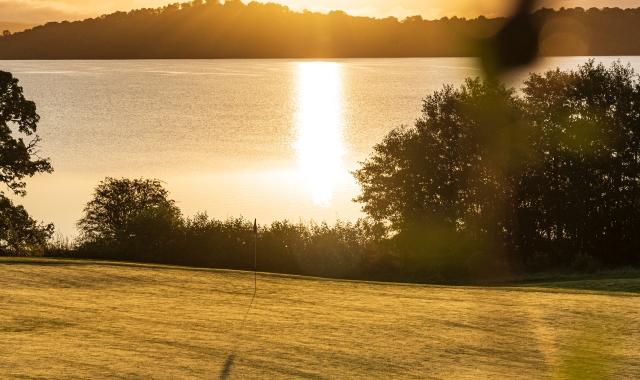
[265,139]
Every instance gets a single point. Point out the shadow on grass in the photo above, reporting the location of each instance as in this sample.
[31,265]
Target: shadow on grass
[622,280]
[626,285]
[226,369]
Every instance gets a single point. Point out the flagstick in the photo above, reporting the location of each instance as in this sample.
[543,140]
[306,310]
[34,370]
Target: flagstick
[226,369]
[255,256]
[255,263]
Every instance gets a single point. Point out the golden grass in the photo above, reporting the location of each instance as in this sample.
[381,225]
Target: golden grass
[87,319]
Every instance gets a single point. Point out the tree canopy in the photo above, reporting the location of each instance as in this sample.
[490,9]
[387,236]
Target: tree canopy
[121,206]
[584,195]
[19,233]
[18,158]
[555,170]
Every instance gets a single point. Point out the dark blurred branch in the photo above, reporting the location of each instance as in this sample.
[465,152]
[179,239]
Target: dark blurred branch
[515,45]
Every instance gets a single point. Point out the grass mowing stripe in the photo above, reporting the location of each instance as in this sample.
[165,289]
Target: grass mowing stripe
[135,321]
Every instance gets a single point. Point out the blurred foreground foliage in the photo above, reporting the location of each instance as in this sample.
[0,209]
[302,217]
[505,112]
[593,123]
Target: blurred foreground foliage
[488,183]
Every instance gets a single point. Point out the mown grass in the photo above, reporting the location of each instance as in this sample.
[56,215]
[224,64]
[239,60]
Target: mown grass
[89,319]
[626,285]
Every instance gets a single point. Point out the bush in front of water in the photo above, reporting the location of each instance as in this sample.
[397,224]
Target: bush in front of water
[341,250]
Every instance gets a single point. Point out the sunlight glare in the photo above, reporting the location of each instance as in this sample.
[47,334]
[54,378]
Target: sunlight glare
[319,144]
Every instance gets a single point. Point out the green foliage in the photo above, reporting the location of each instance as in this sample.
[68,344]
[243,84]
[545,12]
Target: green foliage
[152,232]
[59,245]
[585,263]
[585,193]
[124,209]
[18,158]
[19,233]
[342,250]
[443,184]
[538,262]
[134,220]
[455,155]
[485,170]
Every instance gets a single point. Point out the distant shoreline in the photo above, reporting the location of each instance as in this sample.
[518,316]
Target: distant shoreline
[320,59]
[270,31]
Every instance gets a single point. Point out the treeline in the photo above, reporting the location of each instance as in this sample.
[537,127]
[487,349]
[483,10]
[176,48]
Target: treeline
[210,29]
[135,220]
[547,179]
[341,250]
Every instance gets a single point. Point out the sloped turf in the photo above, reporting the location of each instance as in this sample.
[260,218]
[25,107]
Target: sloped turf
[70,319]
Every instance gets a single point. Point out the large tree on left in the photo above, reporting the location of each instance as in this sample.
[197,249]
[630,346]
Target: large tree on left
[19,233]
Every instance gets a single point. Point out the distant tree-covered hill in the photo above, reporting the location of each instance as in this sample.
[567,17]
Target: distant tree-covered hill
[200,29]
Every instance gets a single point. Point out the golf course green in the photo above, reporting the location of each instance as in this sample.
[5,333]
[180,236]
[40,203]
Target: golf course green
[67,319]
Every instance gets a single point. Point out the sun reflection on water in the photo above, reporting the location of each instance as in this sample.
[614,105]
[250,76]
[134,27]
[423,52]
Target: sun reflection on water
[319,144]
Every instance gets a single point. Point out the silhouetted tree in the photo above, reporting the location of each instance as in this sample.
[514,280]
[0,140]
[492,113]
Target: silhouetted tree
[20,235]
[584,197]
[444,185]
[122,209]
[18,159]
[487,178]
[152,235]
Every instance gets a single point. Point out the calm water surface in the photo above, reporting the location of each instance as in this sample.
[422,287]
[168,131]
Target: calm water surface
[271,139]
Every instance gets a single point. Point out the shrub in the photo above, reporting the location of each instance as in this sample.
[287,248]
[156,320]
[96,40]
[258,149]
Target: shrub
[583,262]
[538,262]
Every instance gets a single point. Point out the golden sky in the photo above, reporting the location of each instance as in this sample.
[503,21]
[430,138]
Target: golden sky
[40,11]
